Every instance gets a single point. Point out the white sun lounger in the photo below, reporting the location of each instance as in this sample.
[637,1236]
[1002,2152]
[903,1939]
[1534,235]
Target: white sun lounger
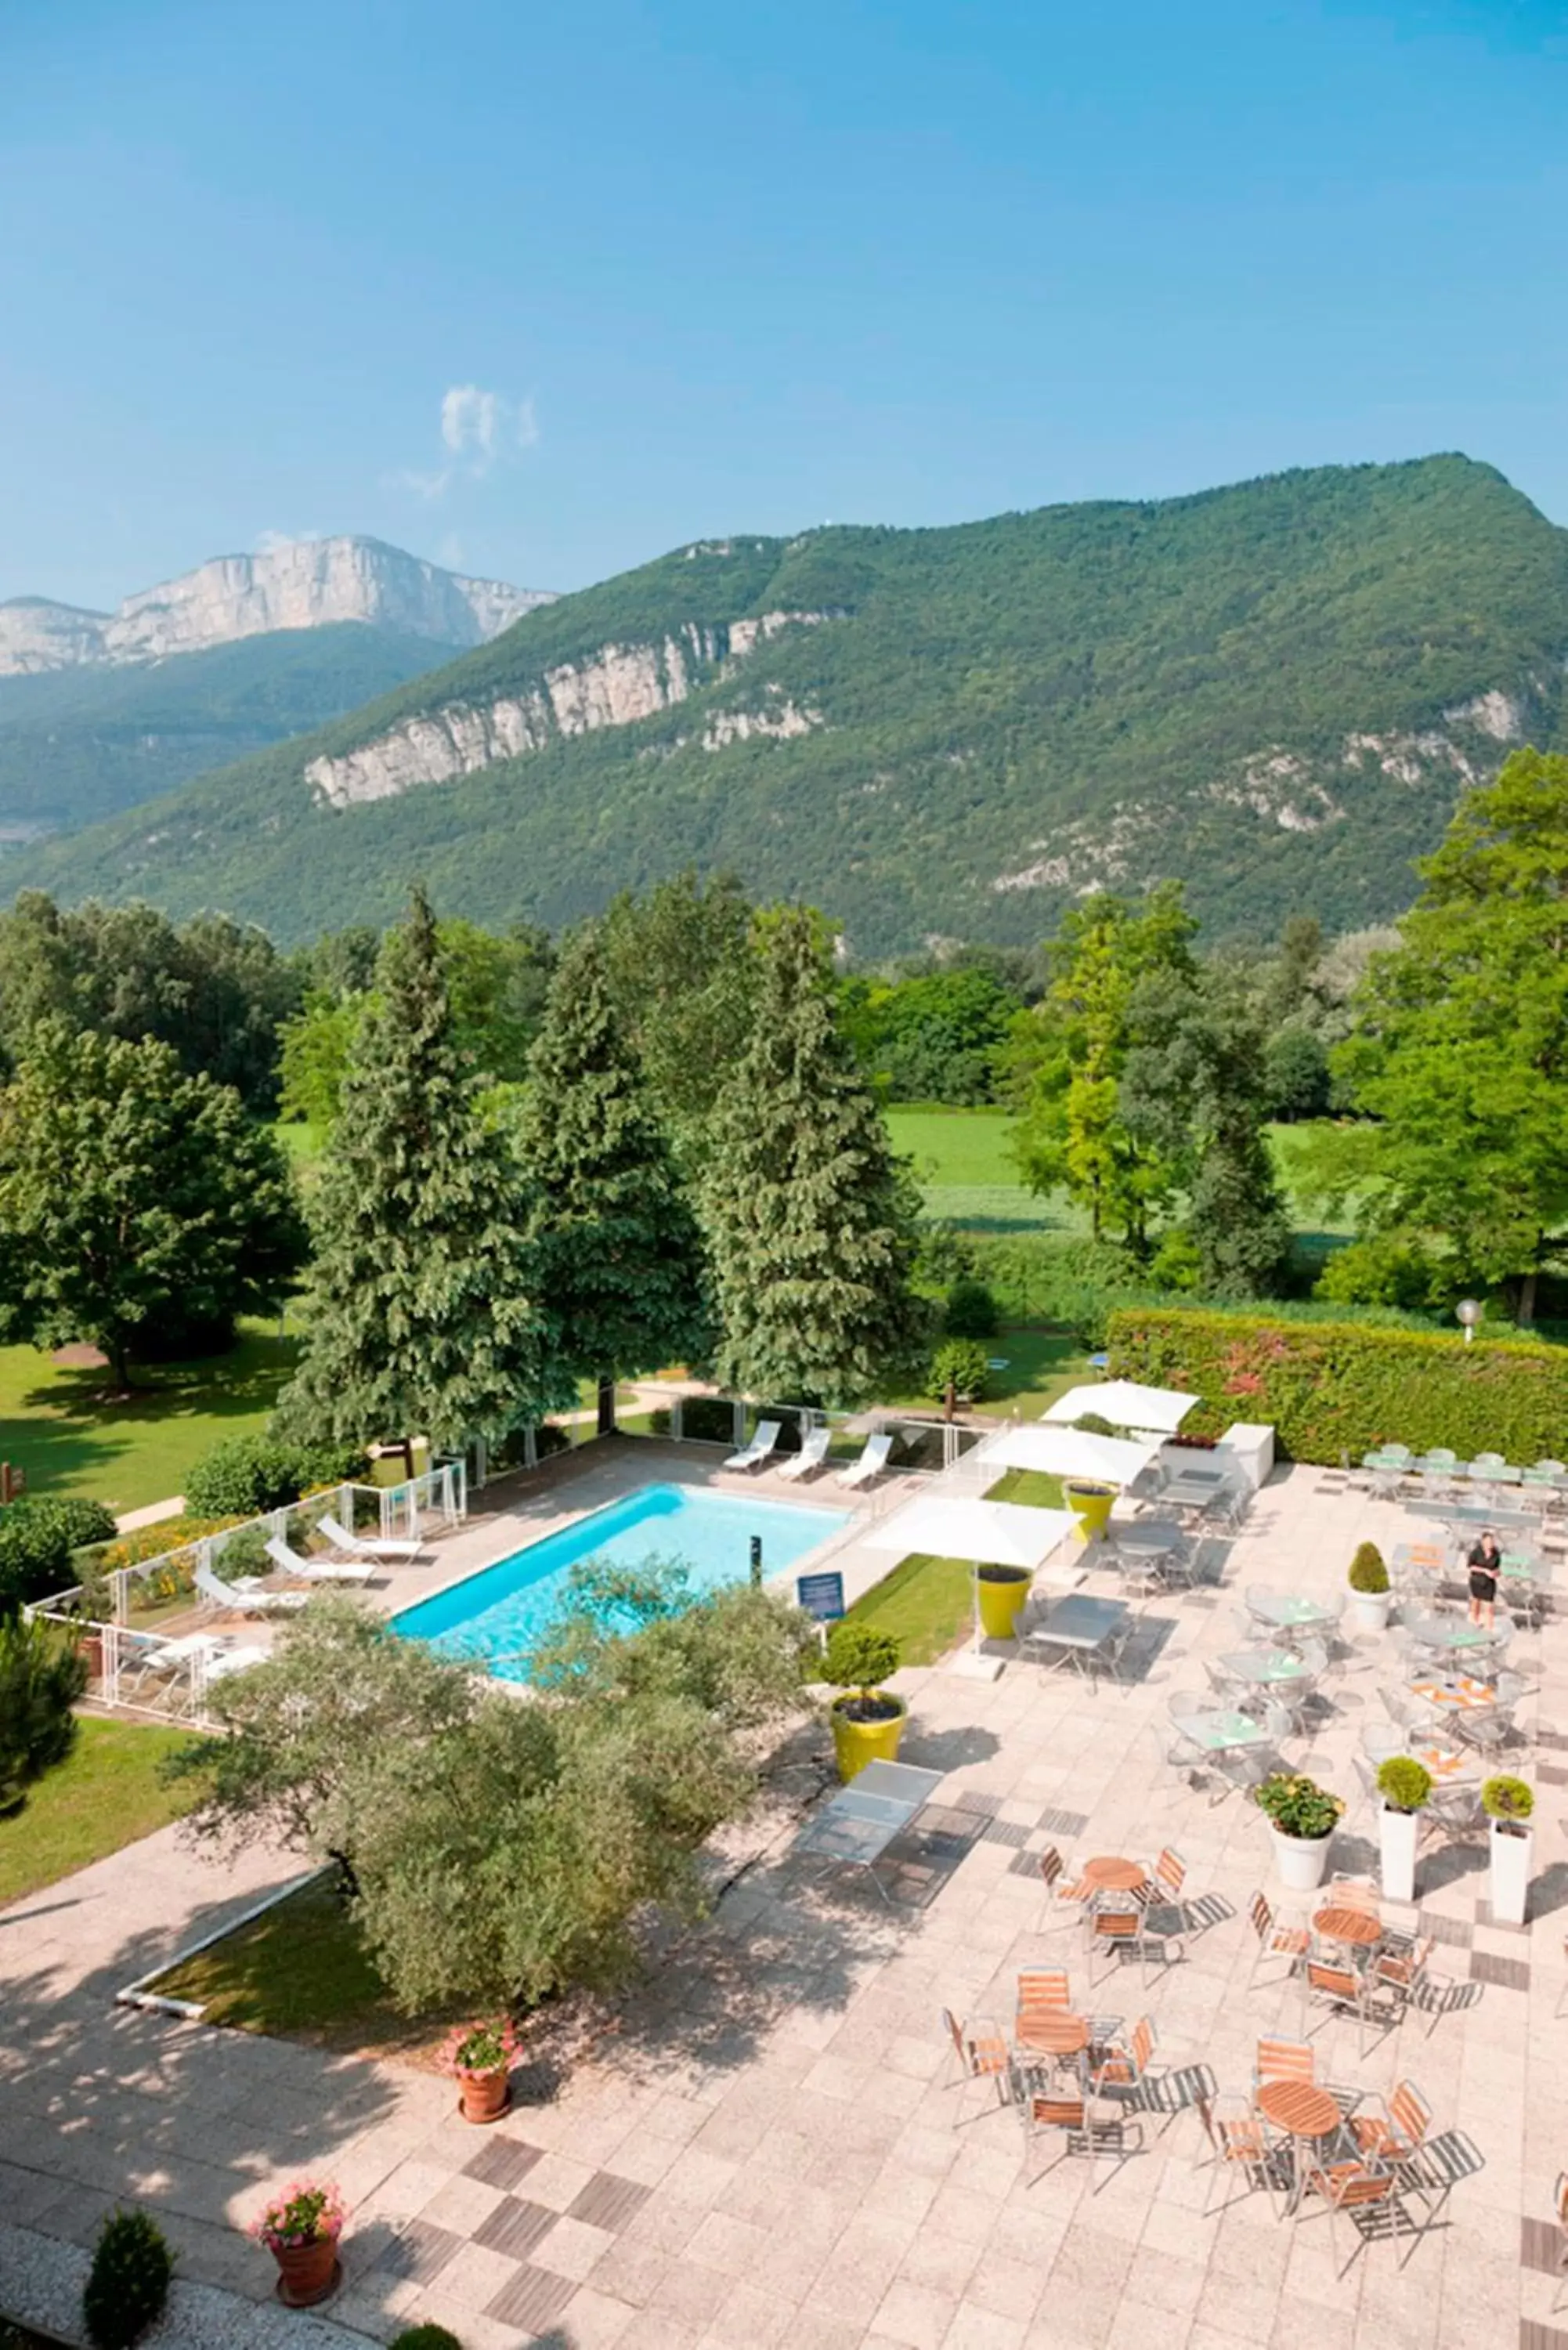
[381,1546]
[752,1455]
[233,1660]
[317,1570]
[248,1597]
[811,1455]
[871,1464]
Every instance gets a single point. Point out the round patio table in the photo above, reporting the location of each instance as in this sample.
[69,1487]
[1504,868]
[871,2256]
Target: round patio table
[1054,2033]
[1266,1667]
[1339,1923]
[1110,1875]
[1305,2112]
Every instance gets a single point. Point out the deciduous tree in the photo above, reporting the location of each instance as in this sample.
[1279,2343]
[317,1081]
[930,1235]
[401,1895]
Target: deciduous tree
[134,1200]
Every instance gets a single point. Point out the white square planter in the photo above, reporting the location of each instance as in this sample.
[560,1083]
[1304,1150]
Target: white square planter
[1513,1852]
[1397,1834]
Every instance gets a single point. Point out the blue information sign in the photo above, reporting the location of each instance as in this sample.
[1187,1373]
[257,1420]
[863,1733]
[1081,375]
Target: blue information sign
[821,1596]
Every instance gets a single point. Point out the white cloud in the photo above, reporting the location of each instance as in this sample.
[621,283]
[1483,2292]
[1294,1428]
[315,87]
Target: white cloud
[479,431]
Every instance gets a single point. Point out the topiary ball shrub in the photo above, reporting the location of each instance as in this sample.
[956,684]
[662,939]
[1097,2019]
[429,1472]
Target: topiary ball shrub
[1404,1783]
[128,2283]
[960,1364]
[1504,1798]
[426,2337]
[1367,1572]
[859,1658]
[971,1311]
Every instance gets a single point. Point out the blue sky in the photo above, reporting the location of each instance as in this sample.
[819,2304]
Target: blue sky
[543,290]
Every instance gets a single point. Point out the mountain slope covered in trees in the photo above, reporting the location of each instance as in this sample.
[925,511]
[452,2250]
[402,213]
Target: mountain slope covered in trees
[1274,691]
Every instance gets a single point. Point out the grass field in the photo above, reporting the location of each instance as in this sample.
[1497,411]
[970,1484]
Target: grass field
[105,1794]
[55,1424]
[1041,1365]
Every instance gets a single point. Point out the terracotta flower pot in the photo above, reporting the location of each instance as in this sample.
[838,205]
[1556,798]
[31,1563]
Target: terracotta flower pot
[485,2095]
[307,2273]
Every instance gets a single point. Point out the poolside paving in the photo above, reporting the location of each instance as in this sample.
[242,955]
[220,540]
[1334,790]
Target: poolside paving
[758,2145]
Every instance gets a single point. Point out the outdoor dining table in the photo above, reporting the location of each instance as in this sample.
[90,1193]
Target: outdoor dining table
[1306,2114]
[1221,1730]
[1446,1765]
[1459,1515]
[1463,1695]
[1287,1613]
[1149,1541]
[1194,1493]
[1079,1626]
[1265,1667]
[1450,1634]
[1111,1874]
[1053,2032]
[1341,1923]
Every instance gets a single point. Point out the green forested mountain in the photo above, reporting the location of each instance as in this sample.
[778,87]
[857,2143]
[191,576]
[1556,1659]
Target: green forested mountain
[1273,690]
[78,743]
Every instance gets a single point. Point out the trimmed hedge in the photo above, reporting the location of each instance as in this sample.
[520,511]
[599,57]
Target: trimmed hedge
[245,1475]
[1329,1388]
[37,1535]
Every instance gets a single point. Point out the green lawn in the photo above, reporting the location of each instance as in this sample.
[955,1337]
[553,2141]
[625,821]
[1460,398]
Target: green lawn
[105,1794]
[1042,1364]
[54,1424]
[928,1604]
[967,1173]
[299,1972]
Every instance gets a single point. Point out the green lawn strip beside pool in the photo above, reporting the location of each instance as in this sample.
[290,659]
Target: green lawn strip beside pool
[1032,1487]
[54,1422]
[299,1972]
[107,1794]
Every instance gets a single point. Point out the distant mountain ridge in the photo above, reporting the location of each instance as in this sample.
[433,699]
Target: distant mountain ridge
[1272,691]
[306,584]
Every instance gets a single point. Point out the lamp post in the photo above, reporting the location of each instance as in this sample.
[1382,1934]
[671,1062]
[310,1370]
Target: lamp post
[1468,1311]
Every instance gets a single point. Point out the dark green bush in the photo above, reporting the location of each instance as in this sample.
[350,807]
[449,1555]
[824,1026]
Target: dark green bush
[43,1672]
[37,1535]
[128,2283]
[971,1311]
[707,1420]
[858,1656]
[1368,1571]
[245,1475]
[426,2337]
[1333,1387]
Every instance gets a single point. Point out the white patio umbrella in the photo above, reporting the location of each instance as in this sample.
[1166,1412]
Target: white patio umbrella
[1125,1405]
[1071,1452]
[993,1533]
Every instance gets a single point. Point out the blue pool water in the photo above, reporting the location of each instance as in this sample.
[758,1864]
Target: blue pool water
[496,1616]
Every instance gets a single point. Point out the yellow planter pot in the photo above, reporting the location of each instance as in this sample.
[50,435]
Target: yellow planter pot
[1004,1593]
[855,1743]
[1091,1505]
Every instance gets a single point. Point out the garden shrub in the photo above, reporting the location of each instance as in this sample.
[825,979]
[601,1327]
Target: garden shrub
[707,1420]
[37,1535]
[1368,1571]
[962,1361]
[971,1311]
[43,1672]
[245,1475]
[1339,1386]
[129,2281]
[1405,1784]
[426,2337]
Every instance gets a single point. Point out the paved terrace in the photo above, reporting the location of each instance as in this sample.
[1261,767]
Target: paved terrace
[758,2147]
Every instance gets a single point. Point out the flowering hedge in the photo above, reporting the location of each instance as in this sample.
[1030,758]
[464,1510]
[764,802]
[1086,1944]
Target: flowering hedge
[1329,1388]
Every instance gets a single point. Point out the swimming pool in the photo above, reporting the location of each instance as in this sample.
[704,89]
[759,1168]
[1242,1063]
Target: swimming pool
[496,1616]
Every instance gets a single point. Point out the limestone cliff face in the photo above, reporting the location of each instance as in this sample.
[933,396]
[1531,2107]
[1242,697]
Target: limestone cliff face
[311,584]
[614,686]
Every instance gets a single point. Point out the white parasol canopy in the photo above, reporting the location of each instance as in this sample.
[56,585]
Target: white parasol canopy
[993,1533]
[1071,1452]
[1125,1405]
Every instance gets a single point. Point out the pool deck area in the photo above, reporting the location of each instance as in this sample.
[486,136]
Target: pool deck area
[758,2145]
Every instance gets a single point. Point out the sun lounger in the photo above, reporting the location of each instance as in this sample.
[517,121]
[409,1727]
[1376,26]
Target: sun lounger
[317,1570]
[752,1455]
[811,1455]
[871,1464]
[229,1661]
[247,1597]
[378,1546]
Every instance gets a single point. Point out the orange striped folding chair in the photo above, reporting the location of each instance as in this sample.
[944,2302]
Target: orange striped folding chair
[1362,2192]
[980,2053]
[1273,1940]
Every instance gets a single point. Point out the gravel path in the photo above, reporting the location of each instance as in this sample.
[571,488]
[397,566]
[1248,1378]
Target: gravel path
[41,2284]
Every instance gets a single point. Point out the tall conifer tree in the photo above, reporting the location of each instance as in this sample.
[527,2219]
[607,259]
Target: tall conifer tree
[618,1245]
[424,1316]
[810,1217]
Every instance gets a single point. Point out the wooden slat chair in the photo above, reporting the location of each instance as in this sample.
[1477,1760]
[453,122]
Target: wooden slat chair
[1274,1939]
[980,2053]
[1121,2066]
[1240,2146]
[1342,1990]
[1363,2192]
[1071,2113]
[1283,2060]
[1041,1990]
[1393,2134]
[1064,1895]
[1560,2197]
